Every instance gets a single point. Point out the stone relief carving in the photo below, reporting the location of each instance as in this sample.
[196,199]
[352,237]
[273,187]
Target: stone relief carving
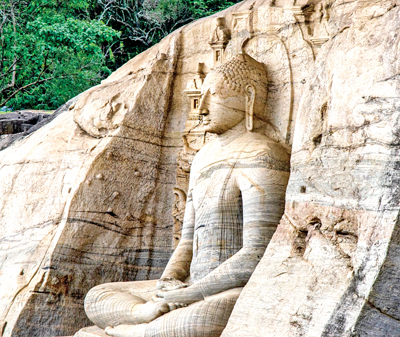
[242,28]
[270,50]
[242,21]
[273,48]
[285,50]
[220,34]
[178,213]
[184,162]
[194,134]
[218,40]
[234,202]
[111,111]
[336,247]
[186,156]
[321,17]
[193,91]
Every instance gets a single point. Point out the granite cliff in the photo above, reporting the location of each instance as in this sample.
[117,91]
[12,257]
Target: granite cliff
[89,197]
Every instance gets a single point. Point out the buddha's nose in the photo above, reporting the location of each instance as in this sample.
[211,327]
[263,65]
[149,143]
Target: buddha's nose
[204,102]
[204,112]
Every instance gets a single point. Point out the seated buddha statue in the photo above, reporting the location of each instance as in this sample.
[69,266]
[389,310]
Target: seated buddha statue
[234,203]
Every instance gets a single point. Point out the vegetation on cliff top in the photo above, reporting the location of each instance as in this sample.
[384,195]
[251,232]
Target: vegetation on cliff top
[51,50]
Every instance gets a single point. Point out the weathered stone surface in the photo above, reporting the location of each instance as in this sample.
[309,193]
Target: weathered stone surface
[88,198]
[332,267]
[95,223]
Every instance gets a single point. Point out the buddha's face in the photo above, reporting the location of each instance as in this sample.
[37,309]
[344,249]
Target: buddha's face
[221,107]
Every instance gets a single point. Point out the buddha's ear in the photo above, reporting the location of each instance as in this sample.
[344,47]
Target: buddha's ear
[250,92]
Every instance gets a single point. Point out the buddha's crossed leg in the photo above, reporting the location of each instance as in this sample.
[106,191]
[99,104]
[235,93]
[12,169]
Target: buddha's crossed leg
[206,318]
[113,304]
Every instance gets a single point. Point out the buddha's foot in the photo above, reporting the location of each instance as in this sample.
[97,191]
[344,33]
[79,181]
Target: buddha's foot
[145,313]
[127,330]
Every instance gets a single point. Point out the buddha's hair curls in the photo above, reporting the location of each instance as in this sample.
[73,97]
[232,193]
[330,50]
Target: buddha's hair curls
[240,71]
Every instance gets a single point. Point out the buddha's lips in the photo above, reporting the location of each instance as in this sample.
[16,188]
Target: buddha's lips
[206,121]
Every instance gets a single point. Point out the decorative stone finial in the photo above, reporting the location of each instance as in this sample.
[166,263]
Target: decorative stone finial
[219,39]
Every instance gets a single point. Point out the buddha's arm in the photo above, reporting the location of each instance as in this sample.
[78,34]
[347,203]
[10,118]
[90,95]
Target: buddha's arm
[263,193]
[178,266]
[233,273]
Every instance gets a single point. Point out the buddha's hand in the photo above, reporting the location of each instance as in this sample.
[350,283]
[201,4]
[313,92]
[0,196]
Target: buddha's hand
[187,295]
[169,283]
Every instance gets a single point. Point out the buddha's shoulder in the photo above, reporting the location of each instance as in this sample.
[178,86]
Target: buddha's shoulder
[256,144]
[204,151]
[202,155]
[248,148]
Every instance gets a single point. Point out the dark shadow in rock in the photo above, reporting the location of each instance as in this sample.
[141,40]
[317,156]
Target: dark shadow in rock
[29,123]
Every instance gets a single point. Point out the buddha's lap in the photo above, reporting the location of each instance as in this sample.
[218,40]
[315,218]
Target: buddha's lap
[204,318]
[109,304]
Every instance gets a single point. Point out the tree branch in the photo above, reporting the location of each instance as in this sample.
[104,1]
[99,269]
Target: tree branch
[10,69]
[28,85]
[14,71]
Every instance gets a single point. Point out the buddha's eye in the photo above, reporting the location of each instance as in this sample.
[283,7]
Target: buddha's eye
[213,91]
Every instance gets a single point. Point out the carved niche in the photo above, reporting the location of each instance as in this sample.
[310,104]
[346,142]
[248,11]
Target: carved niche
[218,40]
[321,17]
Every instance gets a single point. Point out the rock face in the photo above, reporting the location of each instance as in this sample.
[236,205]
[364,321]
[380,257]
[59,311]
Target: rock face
[88,198]
[332,268]
[71,221]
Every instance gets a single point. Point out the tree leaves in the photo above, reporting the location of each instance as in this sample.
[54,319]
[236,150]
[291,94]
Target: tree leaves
[57,56]
[51,50]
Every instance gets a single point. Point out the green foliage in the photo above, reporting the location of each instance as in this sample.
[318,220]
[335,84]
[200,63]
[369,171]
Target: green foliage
[143,23]
[203,8]
[51,50]
[56,55]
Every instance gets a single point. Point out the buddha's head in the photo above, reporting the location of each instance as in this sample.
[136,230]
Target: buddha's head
[234,91]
